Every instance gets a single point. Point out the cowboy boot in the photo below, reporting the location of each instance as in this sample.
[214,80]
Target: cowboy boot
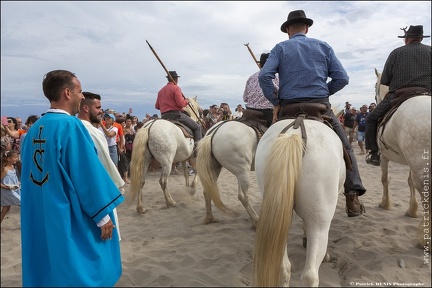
[353,206]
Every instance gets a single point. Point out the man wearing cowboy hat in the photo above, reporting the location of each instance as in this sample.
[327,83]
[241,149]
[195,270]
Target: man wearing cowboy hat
[303,78]
[406,66]
[170,101]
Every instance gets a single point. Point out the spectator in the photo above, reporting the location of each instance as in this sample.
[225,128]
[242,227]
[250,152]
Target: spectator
[348,122]
[10,185]
[238,113]
[212,117]
[226,112]
[110,133]
[360,124]
[66,212]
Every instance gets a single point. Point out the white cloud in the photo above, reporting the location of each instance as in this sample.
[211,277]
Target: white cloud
[104,43]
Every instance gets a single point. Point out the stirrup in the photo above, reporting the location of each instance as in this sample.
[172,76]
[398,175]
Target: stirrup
[371,161]
[352,214]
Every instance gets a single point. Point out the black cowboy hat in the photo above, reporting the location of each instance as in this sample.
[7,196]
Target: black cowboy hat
[297,16]
[173,74]
[263,59]
[414,31]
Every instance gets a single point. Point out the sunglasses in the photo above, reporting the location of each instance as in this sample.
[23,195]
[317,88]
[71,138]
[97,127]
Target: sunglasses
[10,121]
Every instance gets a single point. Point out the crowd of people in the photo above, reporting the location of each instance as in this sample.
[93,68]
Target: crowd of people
[82,220]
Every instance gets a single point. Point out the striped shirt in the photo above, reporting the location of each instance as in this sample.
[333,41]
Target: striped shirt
[304,65]
[408,66]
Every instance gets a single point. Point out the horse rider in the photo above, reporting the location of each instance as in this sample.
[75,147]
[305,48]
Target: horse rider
[170,101]
[254,97]
[406,66]
[303,78]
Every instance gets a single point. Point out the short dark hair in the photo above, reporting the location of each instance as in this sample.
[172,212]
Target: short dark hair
[88,98]
[55,81]
[90,95]
[31,119]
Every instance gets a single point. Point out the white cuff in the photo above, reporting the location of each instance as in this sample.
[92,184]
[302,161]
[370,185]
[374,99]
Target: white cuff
[103,221]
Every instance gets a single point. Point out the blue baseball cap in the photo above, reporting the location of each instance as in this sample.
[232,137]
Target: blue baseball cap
[110,115]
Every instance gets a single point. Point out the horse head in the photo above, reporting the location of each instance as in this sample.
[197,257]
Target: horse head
[380,90]
[193,109]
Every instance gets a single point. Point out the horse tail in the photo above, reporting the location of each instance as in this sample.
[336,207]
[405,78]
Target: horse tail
[206,173]
[137,161]
[280,182]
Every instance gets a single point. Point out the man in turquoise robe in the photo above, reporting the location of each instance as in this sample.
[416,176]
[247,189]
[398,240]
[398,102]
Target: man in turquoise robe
[68,235]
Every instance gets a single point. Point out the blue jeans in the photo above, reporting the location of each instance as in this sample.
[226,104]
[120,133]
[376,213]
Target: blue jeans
[113,153]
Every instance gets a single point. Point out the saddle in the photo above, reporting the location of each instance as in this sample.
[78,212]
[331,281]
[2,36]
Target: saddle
[400,96]
[187,132]
[313,111]
[254,119]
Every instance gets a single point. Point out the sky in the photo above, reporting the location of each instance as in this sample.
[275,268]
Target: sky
[104,44]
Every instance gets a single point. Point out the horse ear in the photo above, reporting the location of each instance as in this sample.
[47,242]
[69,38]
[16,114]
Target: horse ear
[376,72]
[195,98]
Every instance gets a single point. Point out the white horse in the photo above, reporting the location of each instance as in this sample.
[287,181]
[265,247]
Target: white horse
[165,141]
[308,184]
[230,145]
[406,139]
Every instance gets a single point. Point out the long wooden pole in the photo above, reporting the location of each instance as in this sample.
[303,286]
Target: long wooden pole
[172,79]
[253,56]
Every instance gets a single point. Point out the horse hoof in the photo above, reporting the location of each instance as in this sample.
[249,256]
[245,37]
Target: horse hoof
[209,220]
[385,207]
[141,210]
[408,214]
[172,204]
[304,242]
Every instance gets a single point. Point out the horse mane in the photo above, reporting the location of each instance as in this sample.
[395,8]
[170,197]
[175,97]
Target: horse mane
[193,108]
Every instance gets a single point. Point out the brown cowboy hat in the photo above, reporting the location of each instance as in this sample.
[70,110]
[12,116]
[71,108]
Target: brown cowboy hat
[297,16]
[415,32]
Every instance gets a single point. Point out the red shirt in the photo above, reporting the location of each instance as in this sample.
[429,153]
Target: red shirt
[170,98]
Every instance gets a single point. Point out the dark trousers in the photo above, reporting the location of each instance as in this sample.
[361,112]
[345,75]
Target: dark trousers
[372,122]
[186,120]
[353,180]
[268,115]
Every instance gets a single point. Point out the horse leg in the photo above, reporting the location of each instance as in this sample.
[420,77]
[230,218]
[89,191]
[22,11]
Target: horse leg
[243,188]
[140,207]
[315,253]
[413,205]
[327,257]
[185,172]
[163,181]
[385,202]
[192,162]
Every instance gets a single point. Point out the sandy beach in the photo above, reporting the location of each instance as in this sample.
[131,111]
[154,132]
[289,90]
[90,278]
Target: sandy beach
[172,247]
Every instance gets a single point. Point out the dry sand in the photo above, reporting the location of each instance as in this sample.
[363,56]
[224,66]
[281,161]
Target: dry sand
[172,247]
